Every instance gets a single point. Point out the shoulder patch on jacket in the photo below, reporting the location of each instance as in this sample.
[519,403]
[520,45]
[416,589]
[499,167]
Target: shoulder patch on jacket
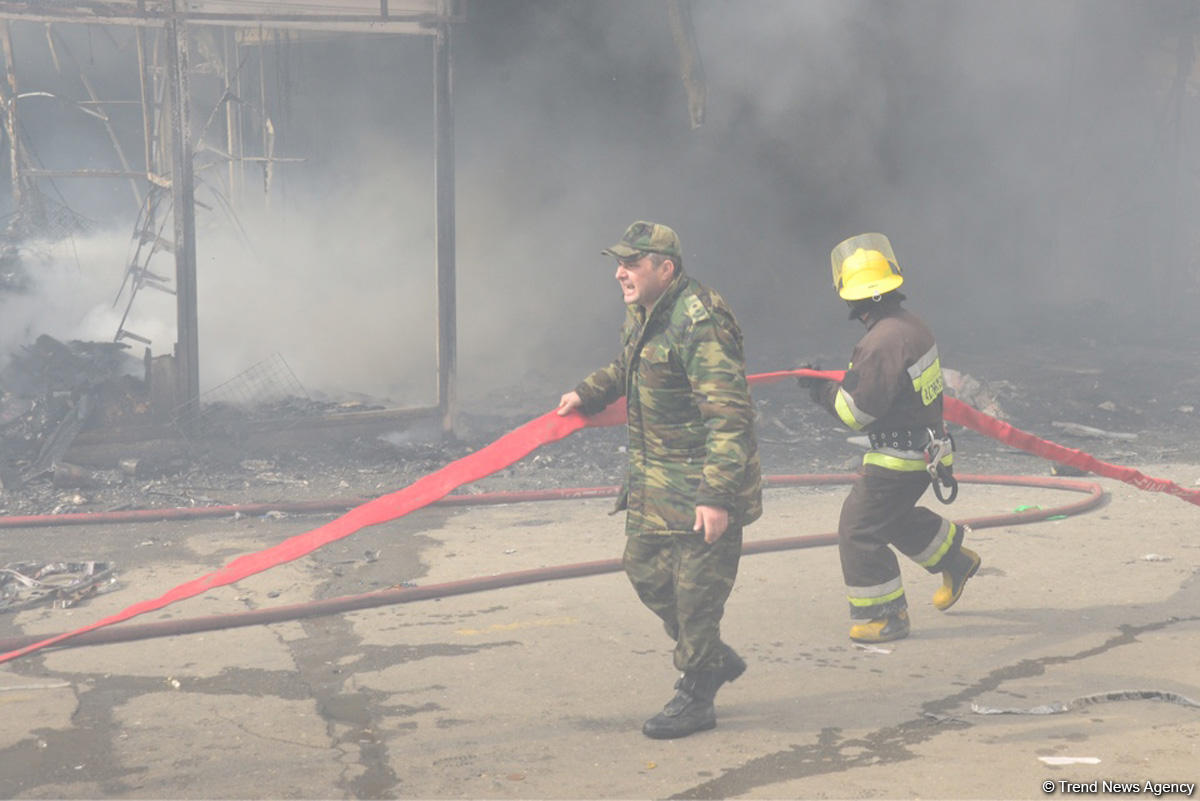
[695,309]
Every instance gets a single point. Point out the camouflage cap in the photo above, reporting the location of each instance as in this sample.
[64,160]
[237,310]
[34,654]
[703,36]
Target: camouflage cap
[647,237]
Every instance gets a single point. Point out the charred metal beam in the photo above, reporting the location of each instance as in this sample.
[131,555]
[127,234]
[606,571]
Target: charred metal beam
[447,345]
[10,117]
[265,127]
[184,207]
[233,118]
[86,172]
[690,67]
[99,13]
[146,94]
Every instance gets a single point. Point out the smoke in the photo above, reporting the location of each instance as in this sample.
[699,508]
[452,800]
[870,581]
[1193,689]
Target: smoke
[72,292]
[1015,154]
[1030,162]
[339,284]
[1009,150]
[347,301]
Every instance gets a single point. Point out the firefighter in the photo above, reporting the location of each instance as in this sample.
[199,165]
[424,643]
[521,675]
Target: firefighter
[892,391]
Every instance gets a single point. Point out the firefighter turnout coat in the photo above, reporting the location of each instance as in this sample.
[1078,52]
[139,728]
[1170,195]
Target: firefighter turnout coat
[893,386]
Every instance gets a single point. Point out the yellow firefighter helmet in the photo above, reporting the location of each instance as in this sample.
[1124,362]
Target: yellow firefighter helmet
[864,266]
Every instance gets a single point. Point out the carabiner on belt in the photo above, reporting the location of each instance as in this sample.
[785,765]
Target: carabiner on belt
[940,474]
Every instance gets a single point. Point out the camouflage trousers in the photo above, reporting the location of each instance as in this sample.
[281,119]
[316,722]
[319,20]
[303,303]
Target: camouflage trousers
[879,512]
[685,581]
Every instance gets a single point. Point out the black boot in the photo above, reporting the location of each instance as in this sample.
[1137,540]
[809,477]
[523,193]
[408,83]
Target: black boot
[691,710]
[688,712]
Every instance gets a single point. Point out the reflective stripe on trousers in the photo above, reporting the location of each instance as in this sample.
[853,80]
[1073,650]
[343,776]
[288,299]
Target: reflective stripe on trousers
[880,514]
[864,597]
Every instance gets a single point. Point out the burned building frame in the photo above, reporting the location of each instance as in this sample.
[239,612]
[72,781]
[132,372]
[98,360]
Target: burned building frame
[164,186]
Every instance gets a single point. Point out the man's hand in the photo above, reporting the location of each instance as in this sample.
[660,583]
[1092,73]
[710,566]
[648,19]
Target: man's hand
[569,403]
[814,385]
[712,520]
[817,391]
[806,381]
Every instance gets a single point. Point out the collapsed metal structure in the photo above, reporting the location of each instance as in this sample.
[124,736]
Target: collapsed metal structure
[164,184]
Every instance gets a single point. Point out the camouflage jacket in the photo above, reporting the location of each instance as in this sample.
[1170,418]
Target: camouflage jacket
[691,420]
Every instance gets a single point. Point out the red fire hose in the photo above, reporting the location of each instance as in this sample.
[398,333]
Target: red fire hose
[296,507]
[400,595]
[476,499]
[515,445]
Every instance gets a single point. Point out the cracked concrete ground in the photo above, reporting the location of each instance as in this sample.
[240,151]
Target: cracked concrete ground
[539,691]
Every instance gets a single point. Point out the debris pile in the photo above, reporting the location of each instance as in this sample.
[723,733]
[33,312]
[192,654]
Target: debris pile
[50,391]
[301,453]
[61,584]
[973,392]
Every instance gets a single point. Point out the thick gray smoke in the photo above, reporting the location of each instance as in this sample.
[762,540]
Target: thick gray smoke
[1029,160]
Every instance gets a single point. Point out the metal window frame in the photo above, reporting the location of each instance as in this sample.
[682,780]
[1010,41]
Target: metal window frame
[416,17]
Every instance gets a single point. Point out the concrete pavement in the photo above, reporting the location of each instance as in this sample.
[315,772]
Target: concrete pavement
[539,691]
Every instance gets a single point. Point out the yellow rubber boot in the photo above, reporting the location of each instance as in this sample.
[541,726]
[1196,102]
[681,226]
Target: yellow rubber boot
[881,629]
[962,566]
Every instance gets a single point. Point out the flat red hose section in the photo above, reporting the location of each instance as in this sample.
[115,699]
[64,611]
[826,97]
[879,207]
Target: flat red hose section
[958,412]
[517,444]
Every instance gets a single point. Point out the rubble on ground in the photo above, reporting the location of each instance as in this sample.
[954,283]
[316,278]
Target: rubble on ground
[216,466]
[24,585]
[973,392]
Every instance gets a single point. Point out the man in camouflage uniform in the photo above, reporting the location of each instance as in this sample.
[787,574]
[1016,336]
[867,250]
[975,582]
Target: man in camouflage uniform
[693,478]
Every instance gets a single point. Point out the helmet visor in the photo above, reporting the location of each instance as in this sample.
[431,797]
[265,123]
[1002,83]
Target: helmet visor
[864,266]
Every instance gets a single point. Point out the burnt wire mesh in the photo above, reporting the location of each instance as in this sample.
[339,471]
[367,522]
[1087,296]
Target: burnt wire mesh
[268,390]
